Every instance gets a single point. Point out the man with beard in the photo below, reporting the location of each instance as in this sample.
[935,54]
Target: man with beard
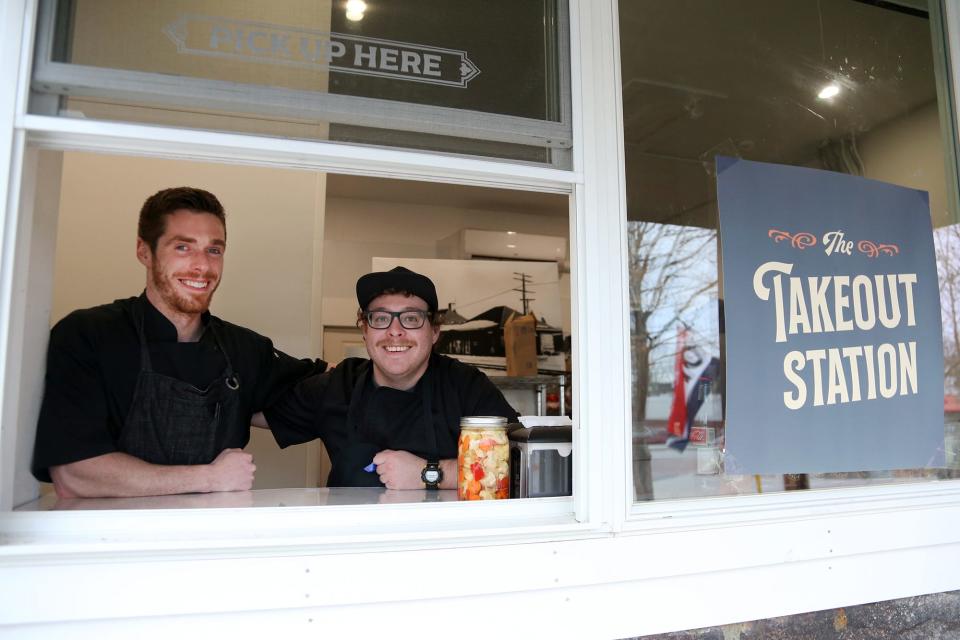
[392,420]
[153,395]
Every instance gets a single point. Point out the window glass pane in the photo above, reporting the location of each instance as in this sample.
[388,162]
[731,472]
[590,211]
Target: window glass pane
[504,50]
[288,68]
[298,241]
[742,79]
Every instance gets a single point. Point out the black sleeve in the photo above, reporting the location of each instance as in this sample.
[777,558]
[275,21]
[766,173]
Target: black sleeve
[278,373]
[483,398]
[297,416]
[74,419]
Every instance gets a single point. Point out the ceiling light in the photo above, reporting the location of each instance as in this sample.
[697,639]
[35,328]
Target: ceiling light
[829,91]
[511,233]
[511,246]
[355,9]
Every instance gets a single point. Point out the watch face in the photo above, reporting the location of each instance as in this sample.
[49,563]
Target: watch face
[431,475]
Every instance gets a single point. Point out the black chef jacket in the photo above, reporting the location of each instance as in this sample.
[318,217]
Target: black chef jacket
[93,362]
[356,419]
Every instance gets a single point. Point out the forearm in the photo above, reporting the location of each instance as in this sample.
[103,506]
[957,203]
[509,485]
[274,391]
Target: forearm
[449,467]
[119,475]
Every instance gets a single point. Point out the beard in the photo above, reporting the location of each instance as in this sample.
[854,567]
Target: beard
[179,301]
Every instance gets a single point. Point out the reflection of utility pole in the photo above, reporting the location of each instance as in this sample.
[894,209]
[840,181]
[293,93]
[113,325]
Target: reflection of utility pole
[524,280]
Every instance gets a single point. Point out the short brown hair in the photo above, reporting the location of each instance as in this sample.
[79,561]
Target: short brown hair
[156,208]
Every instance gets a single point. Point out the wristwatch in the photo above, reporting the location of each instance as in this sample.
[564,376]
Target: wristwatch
[432,474]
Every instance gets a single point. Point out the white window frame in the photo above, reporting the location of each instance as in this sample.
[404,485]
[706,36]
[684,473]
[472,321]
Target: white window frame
[37,132]
[594,566]
[52,78]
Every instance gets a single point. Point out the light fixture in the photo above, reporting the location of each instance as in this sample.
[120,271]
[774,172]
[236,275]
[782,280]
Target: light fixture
[511,246]
[355,9]
[511,233]
[829,91]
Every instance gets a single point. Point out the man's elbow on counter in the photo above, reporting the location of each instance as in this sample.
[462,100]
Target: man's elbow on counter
[67,483]
[72,481]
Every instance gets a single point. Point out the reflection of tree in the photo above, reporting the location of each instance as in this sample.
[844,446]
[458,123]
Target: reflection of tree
[947,243]
[672,268]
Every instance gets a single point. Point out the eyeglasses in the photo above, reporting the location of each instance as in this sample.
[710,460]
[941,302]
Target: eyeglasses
[410,319]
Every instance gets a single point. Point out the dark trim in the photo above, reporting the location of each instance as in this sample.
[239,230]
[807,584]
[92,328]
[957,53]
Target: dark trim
[896,6]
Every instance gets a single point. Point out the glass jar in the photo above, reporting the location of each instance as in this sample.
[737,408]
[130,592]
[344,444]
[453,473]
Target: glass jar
[483,459]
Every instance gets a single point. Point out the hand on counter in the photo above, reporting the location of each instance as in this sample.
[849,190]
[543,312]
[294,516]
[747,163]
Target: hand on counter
[401,470]
[120,475]
[232,470]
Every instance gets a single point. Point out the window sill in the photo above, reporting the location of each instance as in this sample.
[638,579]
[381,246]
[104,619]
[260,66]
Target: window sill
[279,520]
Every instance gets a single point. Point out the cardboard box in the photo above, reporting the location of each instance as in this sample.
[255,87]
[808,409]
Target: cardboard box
[520,342]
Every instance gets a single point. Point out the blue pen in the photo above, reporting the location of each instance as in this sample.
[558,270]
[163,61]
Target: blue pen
[370,468]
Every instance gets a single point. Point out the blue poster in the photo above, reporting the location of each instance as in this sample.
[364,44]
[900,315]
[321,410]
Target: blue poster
[834,355]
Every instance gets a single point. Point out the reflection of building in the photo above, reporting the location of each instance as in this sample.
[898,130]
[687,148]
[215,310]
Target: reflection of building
[450,315]
[479,340]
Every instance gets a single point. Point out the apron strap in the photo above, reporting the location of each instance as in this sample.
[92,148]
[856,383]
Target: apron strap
[230,378]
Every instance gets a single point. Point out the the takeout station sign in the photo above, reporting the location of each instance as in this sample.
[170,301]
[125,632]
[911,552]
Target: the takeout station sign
[832,315]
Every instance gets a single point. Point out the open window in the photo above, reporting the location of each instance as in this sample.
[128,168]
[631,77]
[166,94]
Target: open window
[298,241]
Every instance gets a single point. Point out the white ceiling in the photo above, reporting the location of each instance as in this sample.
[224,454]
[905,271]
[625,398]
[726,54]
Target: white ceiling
[740,78]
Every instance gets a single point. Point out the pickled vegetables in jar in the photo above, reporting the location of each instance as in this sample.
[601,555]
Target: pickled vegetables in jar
[483,469]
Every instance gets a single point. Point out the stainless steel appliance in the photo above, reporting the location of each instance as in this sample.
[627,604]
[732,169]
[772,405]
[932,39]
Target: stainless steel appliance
[541,461]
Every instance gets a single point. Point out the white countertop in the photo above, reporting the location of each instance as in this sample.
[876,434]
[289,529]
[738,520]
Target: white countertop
[239,499]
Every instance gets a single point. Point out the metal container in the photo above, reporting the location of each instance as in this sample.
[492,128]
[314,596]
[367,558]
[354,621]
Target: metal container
[541,460]
[483,459]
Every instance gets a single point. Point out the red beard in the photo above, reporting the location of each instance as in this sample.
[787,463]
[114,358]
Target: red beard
[182,302]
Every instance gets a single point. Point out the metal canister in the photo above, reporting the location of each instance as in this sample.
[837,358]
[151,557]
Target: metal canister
[483,469]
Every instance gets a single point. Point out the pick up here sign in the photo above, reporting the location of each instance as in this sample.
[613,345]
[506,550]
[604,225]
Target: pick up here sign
[275,44]
[832,315]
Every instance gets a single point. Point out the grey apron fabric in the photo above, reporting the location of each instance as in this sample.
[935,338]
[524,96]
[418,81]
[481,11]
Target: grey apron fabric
[173,422]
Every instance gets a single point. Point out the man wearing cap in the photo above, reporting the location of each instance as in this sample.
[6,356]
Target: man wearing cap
[392,420]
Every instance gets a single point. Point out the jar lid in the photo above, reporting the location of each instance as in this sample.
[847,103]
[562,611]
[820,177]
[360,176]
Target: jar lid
[483,421]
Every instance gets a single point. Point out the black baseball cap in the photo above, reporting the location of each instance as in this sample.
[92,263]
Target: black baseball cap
[397,279]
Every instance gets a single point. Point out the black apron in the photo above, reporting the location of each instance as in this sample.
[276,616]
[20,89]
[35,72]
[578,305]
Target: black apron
[348,469]
[173,422]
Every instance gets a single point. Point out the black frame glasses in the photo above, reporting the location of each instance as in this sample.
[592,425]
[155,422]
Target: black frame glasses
[409,319]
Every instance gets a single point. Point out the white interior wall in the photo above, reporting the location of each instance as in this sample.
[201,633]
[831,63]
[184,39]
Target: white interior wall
[274,221]
[909,151]
[34,285]
[359,230]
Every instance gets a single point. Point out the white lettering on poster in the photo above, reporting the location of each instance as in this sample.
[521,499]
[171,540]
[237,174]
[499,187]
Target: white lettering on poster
[832,304]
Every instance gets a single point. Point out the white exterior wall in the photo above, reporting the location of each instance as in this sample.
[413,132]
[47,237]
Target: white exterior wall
[596,566]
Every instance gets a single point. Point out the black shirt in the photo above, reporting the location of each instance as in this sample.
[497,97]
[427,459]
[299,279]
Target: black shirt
[92,365]
[343,407]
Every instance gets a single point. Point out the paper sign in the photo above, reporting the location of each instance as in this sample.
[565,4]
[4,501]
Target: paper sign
[832,314]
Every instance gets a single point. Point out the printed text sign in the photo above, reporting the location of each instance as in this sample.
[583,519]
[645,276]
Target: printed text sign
[832,316]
